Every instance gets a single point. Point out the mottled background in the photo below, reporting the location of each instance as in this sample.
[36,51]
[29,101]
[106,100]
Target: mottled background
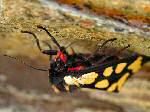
[90,23]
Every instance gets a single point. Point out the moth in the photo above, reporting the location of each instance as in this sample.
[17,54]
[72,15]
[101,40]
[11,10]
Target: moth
[69,72]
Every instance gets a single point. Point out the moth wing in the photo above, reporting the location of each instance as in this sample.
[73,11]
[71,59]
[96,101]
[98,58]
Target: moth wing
[110,76]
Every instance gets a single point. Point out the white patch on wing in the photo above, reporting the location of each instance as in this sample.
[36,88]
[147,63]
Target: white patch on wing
[88,78]
[71,80]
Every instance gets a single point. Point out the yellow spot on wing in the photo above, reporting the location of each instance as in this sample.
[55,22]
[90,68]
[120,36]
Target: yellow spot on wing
[136,65]
[102,84]
[108,71]
[112,87]
[122,80]
[88,78]
[120,67]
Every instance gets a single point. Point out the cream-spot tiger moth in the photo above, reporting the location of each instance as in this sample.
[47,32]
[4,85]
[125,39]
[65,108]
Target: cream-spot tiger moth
[68,72]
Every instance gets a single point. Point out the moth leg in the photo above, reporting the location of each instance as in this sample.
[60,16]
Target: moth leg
[71,44]
[55,89]
[119,52]
[67,88]
[95,53]
[80,57]
[113,55]
[77,60]
[50,47]
[83,60]
[72,51]
[106,42]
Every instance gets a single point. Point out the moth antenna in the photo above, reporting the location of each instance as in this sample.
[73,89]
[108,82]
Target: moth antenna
[52,37]
[24,63]
[37,40]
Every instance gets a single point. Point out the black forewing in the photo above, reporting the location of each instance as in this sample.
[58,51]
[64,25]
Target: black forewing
[113,78]
[101,67]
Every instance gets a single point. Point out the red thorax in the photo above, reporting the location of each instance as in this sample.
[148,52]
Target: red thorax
[61,56]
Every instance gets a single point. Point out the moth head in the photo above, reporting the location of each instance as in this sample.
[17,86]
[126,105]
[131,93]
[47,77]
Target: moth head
[58,66]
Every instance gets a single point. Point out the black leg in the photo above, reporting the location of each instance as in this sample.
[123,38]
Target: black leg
[84,59]
[121,50]
[104,58]
[80,60]
[93,57]
[107,41]
[50,56]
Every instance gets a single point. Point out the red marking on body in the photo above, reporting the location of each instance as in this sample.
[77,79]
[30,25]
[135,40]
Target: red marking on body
[76,68]
[61,56]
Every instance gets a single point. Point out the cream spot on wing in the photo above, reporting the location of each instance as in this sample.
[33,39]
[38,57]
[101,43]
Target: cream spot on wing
[120,67]
[68,80]
[112,87]
[108,71]
[102,84]
[136,65]
[71,80]
[88,78]
[122,80]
